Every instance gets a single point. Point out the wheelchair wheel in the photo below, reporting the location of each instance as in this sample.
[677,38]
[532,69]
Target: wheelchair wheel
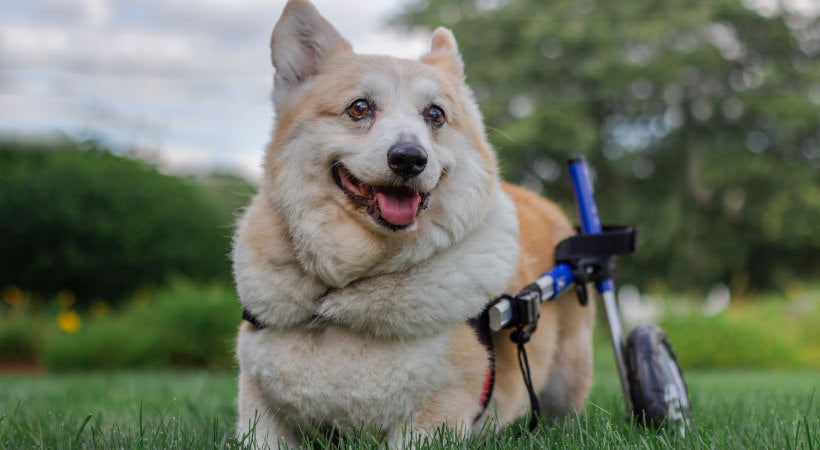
[659,394]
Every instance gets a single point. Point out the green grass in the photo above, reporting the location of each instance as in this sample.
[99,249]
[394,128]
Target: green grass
[768,399]
[142,409]
[138,409]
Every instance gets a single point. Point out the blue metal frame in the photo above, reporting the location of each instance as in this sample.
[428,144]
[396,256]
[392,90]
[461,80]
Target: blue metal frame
[552,283]
[555,281]
[587,209]
[591,224]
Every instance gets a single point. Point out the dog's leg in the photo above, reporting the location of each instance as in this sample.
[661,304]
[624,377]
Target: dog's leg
[455,402]
[258,426]
[570,373]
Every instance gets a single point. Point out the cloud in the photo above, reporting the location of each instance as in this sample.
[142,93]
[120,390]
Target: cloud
[188,80]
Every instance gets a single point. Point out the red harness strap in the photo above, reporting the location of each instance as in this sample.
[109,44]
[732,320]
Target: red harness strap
[481,325]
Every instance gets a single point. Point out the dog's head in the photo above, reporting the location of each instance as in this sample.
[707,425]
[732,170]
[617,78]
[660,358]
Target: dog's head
[373,150]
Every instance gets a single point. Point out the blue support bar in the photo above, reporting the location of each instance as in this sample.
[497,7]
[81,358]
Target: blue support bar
[584,199]
[587,209]
[562,274]
[555,281]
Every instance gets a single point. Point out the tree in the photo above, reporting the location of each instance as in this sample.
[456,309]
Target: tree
[700,120]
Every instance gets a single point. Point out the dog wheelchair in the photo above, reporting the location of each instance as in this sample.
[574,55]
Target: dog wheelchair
[650,376]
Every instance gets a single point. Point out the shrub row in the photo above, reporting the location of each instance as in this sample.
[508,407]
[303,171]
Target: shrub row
[181,326]
[102,226]
[187,325]
[768,332]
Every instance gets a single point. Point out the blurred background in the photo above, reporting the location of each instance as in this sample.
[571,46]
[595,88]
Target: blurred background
[131,133]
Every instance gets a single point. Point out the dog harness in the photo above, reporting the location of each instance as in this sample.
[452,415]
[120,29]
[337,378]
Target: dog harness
[248,317]
[481,326]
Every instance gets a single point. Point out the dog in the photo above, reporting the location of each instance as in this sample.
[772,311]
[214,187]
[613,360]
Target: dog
[380,228]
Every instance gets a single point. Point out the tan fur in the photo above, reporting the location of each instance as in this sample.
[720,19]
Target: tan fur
[365,324]
[469,365]
[559,346]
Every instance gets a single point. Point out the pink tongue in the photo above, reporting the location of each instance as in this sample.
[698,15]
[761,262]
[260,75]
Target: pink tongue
[398,210]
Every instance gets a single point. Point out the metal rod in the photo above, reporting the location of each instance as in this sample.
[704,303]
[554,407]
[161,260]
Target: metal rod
[591,224]
[617,336]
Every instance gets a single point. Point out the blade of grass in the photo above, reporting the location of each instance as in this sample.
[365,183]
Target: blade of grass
[215,435]
[141,443]
[162,423]
[76,439]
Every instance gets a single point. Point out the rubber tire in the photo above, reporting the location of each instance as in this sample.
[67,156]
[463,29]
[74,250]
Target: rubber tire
[659,394]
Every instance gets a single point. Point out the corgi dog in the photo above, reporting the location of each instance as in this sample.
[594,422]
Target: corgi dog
[381,227]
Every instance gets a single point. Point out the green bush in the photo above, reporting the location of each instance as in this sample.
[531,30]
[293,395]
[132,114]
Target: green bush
[100,225]
[182,326]
[765,333]
[19,337]
[724,341]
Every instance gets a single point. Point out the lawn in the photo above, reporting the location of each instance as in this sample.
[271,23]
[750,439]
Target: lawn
[143,409]
[129,409]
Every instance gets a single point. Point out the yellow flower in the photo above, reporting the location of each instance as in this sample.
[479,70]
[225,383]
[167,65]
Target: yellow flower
[69,321]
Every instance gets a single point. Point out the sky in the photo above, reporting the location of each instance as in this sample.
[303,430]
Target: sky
[184,83]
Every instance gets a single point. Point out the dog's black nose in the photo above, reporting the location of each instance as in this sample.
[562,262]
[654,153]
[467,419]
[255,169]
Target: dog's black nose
[406,159]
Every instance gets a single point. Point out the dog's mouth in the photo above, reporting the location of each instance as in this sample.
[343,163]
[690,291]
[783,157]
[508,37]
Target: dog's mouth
[394,207]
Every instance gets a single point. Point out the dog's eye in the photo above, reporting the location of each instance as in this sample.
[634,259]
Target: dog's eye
[359,108]
[435,115]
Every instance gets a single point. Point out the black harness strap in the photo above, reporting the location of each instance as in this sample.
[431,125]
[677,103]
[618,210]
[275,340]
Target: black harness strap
[247,316]
[520,337]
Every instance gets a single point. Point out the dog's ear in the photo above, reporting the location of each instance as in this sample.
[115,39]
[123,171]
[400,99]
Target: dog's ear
[444,52]
[301,41]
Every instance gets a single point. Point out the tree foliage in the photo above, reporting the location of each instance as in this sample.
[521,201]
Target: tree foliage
[700,120]
[100,225]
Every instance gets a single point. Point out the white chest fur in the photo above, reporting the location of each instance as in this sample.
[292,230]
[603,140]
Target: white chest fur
[335,376]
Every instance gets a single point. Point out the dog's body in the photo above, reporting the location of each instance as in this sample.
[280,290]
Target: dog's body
[380,229]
